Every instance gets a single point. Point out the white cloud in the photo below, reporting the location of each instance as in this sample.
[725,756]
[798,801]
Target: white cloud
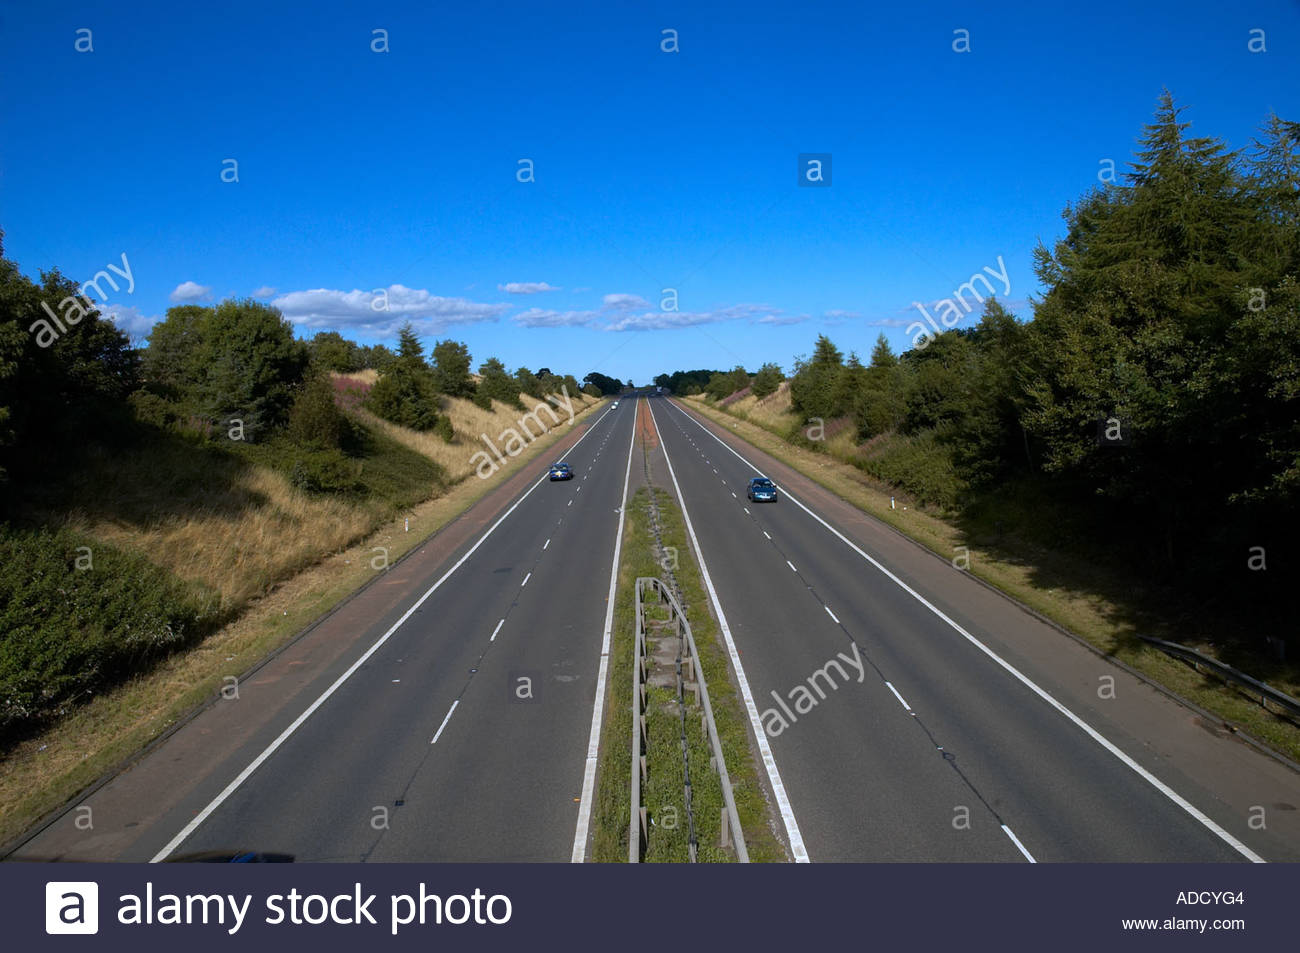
[264,292]
[629,312]
[625,302]
[540,318]
[190,291]
[527,287]
[383,312]
[664,320]
[839,313]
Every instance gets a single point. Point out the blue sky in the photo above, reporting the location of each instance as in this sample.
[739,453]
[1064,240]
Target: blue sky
[371,177]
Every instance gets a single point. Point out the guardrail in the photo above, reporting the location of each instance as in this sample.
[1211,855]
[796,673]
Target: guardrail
[1265,693]
[638,831]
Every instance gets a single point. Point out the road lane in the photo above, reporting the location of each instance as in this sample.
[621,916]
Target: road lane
[860,787]
[360,779]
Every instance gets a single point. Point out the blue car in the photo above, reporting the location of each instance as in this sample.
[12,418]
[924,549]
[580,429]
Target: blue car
[561,471]
[761,490]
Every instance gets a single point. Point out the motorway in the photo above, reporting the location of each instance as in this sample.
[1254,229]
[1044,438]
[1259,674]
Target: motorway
[448,712]
[454,729]
[954,736]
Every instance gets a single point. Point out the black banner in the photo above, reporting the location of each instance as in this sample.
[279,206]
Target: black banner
[500,907]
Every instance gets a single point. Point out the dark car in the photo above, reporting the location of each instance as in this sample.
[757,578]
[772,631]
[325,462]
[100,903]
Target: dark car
[761,490]
[561,471]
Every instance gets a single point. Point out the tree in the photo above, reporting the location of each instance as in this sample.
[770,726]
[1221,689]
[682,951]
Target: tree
[528,383]
[451,365]
[249,366]
[766,380]
[409,348]
[848,387]
[315,422]
[56,400]
[331,351]
[719,386]
[406,393]
[496,383]
[881,405]
[169,364]
[607,385]
[812,388]
[375,357]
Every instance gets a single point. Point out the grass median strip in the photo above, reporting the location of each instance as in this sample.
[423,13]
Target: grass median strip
[663,790]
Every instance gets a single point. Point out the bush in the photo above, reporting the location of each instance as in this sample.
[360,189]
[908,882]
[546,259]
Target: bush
[445,430]
[920,465]
[314,419]
[405,395]
[67,632]
[324,471]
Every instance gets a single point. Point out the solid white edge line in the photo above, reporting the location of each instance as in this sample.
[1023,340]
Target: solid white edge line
[898,696]
[438,734]
[598,710]
[297,723]
[831,614]
[1092,733]
[496,630]
[1016,840]
[765,750]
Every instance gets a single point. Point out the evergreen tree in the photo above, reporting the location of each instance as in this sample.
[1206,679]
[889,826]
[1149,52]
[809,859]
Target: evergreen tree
[451,365]
[766,380]
[496,383]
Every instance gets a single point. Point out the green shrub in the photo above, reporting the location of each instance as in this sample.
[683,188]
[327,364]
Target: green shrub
[314,419]
[324,471]
[77,616]
[445,430]
[405,395]
[920,465]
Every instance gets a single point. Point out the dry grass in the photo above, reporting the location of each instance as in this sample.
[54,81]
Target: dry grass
[240,554]
[367,377]
[469,421]
[773,412]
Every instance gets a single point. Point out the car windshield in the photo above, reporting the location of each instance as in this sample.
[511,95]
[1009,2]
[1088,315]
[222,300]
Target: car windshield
[762,484]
